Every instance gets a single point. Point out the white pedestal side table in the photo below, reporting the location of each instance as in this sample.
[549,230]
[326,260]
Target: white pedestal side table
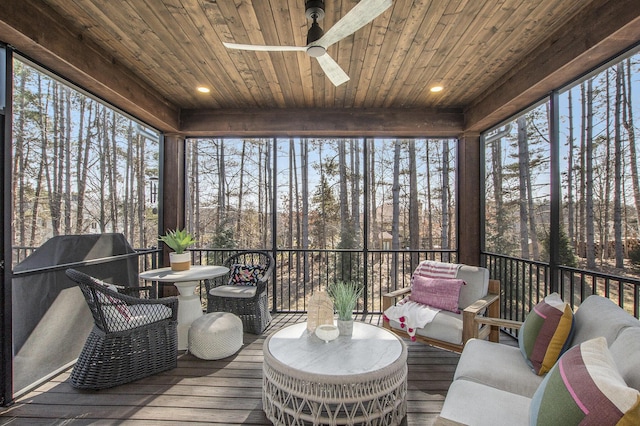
[189,306]
[354,380]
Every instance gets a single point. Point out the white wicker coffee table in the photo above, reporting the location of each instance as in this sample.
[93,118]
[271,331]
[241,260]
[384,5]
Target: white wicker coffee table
[351,380]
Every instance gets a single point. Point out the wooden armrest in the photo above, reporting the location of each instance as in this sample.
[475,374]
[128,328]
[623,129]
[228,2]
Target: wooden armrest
[389,298]
[499,322]
[397,293]
[480,304]
[490,304]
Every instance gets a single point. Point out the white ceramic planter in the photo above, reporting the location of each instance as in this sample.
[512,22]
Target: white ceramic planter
[180,262]
[345,327]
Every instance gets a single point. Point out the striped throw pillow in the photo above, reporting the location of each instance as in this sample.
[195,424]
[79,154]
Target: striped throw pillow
[439,293]
[546,333]
[585,387]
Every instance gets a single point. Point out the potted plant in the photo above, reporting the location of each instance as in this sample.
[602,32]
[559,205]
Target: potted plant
[345,296]
[178,240]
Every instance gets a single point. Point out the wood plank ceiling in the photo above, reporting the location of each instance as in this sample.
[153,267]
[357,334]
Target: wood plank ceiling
[176,45]
[467,46]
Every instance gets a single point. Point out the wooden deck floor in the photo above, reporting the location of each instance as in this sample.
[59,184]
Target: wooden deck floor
[224,392]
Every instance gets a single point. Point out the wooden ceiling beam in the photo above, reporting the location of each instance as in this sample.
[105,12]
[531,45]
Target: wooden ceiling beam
[592,37]
[371,122]
[38,32]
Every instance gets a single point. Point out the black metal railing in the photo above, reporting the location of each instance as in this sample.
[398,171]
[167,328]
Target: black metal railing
[299,273]
[525,282]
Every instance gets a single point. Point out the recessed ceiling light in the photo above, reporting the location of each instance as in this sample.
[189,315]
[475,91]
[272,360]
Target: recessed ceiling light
[203,89]
[436,89]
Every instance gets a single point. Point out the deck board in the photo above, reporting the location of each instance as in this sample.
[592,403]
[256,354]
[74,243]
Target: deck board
[224,392]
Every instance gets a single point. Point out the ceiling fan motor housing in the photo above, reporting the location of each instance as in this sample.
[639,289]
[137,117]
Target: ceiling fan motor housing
[314,9]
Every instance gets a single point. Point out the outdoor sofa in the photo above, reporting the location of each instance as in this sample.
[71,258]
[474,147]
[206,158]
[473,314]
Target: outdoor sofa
[494,385]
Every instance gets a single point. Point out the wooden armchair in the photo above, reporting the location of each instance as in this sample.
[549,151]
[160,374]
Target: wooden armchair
[479,305]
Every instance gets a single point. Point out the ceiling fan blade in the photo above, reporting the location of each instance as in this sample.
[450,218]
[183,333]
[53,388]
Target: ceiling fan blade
[361,14]
[332,70]
[260,48]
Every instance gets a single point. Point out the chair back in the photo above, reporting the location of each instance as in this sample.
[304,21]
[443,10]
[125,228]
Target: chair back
[253,258]
[114,312]
[477,284]
[94,291]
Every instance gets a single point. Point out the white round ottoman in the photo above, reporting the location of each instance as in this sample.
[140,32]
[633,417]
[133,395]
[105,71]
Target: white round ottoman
[216,335]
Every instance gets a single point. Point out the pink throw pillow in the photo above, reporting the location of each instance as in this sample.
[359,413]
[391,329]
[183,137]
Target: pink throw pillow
[440,293]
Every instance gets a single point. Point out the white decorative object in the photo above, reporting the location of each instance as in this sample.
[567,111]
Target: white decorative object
[215,336]
[320,311]
[327,332]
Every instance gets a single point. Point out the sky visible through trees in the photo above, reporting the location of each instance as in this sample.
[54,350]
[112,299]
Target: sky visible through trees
[600,193]
[326,190]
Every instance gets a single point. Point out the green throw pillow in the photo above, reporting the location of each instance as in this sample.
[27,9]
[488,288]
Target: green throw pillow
[585,388]
[546,333]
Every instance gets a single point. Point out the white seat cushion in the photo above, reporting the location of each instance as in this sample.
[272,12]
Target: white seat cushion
[484,362]
[246,291]
[474,404]
[139,315]
[446,326]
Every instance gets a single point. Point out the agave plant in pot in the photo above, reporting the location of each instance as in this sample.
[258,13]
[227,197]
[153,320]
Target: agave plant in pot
[178,241]
[345,296]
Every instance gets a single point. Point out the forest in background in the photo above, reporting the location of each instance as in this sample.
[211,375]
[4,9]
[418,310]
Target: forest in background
[320,200]
[78,165]
[600,188]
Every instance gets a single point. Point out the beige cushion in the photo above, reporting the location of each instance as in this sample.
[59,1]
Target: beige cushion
[446,326]
[246,291]
[625,352]
[477,280]
[474,404]
[497,365]
[598,316]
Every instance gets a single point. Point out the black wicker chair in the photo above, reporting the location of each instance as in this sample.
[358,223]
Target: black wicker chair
[249,302]
[132,338]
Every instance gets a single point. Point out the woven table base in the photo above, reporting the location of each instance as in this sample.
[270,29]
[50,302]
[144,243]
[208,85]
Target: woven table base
[290,401]
[292,396]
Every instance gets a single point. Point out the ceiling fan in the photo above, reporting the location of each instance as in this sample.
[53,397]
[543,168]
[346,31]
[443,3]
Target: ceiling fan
[318,41]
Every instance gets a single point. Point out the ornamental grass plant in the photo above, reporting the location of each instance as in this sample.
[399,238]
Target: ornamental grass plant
[345,296]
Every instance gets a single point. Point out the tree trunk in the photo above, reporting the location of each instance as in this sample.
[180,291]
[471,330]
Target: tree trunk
[395,220]
[67,160]
[627,122]
[241,188]
[582,183]
[570,170]
[617,189]
[414,207]
[607,191]
[523,168]
[373,201]
[304,158]
[445,197]
[429,212]
[591,255]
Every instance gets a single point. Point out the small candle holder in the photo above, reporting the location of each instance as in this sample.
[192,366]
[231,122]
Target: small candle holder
[327,332]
